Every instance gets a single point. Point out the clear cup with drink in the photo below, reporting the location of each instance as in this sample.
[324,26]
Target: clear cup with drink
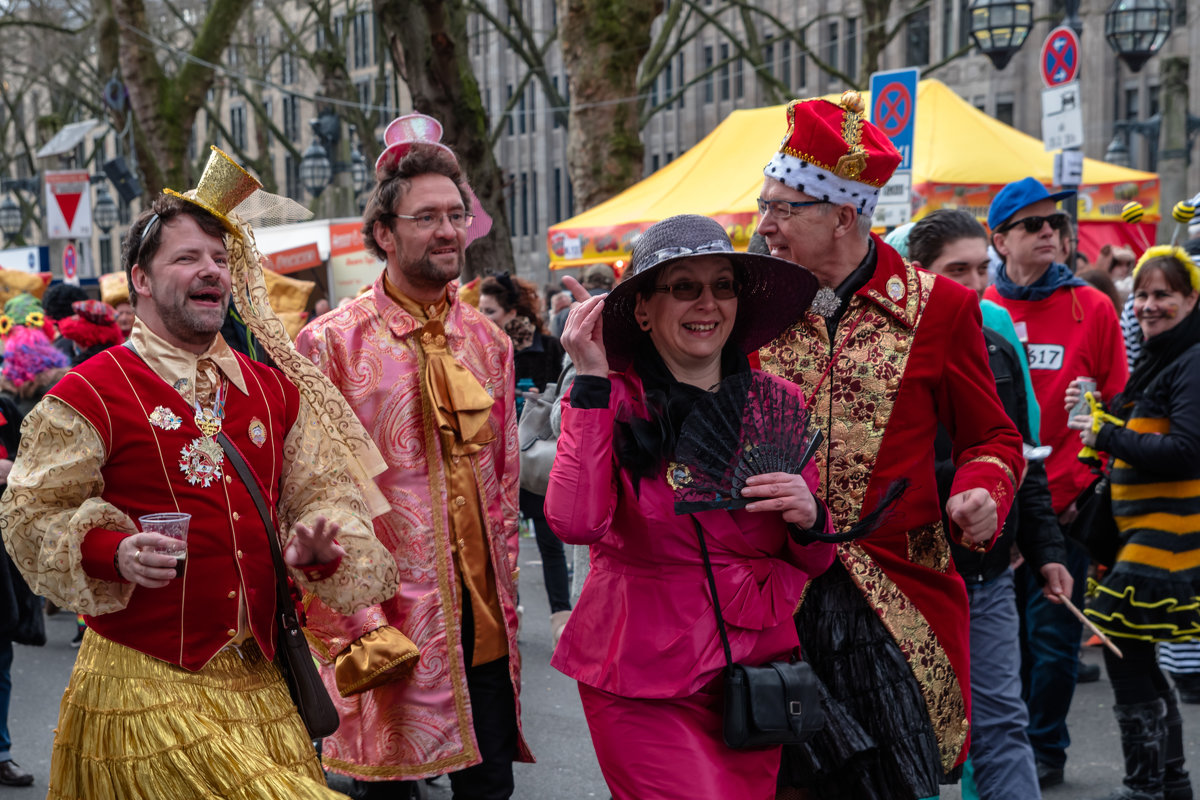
[173,524]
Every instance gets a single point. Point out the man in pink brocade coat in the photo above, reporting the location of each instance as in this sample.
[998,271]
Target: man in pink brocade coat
[432,381]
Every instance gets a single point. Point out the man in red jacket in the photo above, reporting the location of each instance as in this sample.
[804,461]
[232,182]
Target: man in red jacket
[884,355]
[1069,330]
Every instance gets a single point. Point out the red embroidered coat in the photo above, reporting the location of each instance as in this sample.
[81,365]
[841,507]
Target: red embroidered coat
[908,353]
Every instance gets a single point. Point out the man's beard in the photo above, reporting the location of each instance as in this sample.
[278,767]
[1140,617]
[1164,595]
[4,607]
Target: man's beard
[189,324]
[424,271]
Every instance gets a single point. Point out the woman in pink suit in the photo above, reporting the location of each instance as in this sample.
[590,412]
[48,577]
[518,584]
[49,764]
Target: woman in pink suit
[643,641]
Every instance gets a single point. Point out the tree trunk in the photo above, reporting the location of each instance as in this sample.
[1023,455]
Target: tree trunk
[1173,142]
[164,108]
[429,46]
[603,43]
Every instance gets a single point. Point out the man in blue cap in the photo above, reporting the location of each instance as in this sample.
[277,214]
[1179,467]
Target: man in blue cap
[1070,331]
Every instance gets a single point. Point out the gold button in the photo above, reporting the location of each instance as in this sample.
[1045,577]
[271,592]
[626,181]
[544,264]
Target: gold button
[893,384]
[239,553]
[902,346]
[462,545]
[236,516]
[228,479]
[439,341]
[231,595]
[460,501]
[231,632]
[426,338]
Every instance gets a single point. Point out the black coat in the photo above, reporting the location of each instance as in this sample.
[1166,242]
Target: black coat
[1031,522]
[21,619]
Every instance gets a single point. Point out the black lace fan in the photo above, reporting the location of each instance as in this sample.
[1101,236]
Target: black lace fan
[751,425]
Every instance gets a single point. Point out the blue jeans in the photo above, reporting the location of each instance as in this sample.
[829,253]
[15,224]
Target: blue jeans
[1050,658]
[1000,751]
[6,659]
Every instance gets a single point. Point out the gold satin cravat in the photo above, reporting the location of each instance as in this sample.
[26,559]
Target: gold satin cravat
[462,407]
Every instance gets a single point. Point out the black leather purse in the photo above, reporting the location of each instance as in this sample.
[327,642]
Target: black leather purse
[775,704]
[292,655]
[1094,526]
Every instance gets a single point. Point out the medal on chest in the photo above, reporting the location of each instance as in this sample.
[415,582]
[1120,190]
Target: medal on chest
[200,461]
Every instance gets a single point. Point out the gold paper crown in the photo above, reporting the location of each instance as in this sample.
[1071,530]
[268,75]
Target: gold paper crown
[222,187]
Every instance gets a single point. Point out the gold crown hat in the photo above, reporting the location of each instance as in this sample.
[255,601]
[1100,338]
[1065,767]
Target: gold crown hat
[223,186]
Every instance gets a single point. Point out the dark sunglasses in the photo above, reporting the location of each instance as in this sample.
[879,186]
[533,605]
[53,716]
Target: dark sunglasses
[724,289]
[1058,222]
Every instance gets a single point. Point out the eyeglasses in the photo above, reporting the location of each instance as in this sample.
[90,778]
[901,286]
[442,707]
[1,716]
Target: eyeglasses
[724,289]
[1058,222]
[782,209]
[428,221]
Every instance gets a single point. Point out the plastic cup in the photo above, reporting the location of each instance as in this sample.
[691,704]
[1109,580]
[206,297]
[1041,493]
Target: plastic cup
[173,524]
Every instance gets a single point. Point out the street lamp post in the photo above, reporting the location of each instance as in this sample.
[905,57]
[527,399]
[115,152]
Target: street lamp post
[11,218]
[1137,29]
[319,165]
[105,217]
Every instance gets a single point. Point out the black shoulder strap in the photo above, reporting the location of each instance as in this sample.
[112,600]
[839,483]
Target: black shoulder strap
[712,585]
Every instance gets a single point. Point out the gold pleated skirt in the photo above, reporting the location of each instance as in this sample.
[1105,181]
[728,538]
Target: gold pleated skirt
[132,727]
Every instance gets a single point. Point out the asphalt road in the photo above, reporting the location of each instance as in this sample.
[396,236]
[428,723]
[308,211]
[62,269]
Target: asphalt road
[553,718]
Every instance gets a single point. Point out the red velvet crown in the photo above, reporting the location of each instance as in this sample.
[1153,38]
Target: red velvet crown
[839,139]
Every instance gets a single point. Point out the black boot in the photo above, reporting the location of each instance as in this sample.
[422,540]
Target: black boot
[1143,742]
[1176,783]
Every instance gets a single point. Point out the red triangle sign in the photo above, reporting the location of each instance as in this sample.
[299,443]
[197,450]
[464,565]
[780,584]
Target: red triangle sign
[68,203]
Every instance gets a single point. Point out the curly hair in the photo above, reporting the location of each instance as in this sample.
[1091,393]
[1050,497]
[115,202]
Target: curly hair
[514,294]
[144,237]
[396,182]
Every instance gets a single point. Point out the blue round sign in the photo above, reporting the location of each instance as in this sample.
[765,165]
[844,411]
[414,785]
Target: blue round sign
[1060,57]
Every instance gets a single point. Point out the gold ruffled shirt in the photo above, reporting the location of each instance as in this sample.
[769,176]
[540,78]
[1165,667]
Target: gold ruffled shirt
[461,409]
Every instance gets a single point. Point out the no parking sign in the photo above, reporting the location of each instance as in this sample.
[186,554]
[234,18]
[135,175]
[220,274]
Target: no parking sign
[894,109]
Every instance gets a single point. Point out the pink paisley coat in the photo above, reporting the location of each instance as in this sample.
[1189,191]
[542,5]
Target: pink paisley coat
[421,726]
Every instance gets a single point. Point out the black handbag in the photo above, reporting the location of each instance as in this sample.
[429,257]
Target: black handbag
[292,655]
[21,617]
[1094,526]
[775,704]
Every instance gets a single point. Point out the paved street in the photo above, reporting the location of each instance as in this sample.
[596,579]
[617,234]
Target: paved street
[554,724]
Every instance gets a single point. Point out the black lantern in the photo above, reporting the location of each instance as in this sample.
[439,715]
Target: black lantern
[1000,27]
[1137,29]
[105,212]
[11,219]
[316,170]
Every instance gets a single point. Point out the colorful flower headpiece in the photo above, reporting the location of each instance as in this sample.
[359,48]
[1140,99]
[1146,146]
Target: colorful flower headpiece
[1177,253]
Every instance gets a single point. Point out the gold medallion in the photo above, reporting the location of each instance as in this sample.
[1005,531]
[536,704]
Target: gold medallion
[895,288]
[208,424]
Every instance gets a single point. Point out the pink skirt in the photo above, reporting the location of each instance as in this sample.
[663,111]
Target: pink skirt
[666,749]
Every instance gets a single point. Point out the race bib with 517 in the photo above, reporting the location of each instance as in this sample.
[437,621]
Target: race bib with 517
[1045,356]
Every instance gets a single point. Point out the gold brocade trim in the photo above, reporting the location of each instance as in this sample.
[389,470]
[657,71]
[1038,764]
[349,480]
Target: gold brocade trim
[1012,479]
[927,547]
[854,404]
[362,458]
[439,495]
[427,769]
[925,655]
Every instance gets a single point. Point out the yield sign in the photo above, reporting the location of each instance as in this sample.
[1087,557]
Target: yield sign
[68,205]
[1060,57]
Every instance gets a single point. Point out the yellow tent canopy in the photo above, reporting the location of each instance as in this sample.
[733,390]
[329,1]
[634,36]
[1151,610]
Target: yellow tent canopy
[961,158]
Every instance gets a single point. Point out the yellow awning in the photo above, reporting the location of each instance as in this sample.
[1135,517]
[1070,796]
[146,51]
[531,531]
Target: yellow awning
[961,158]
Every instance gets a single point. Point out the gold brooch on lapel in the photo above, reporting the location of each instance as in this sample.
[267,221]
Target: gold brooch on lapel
[258,432]
[895,288]
[163,417]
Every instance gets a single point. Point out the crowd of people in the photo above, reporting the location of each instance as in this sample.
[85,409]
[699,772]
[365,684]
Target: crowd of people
[858,453]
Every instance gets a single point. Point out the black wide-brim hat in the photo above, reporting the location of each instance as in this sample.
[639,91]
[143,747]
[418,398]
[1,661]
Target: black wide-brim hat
[775,292]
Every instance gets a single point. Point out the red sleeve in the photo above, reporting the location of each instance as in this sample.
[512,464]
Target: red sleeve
[99,550]
[987,445]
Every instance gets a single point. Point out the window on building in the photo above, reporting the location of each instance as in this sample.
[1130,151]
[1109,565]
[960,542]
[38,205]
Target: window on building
[570,197]
[682,80]
[364,93]
[1004,109]
[654,163]
[291,118]
[802,66]
[1131,104]
[917,39]
[980,102]
[852,47]
[521,121]
[106,257]
[1152,107]
[668,83]
[524,204]
[831,43]
[947,27]
[768,56]
[237,127]
[533,200]
[339,30]
[785,62]
[508,111]
[723,73]
[262,46]
[708,78]
[654,93]
[964,23]
[739,78]
[268,106]
[287,67]
[532,91]
[558,195]
[364,40]
[291,174]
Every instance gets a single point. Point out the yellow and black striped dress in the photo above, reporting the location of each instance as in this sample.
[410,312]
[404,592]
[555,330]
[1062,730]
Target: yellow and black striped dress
[1152,593]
